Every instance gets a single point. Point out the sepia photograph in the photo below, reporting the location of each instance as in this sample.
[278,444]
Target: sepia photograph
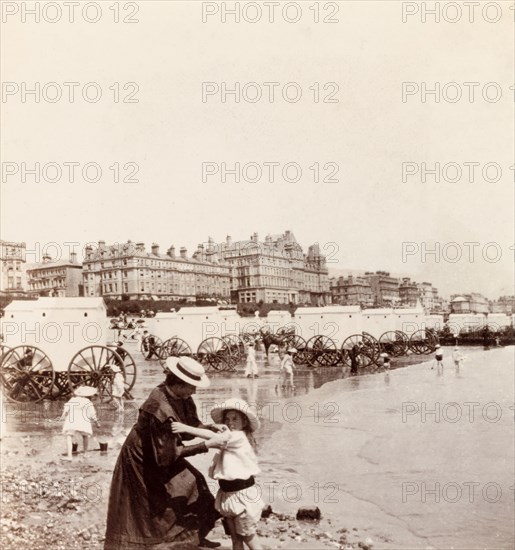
[257,283]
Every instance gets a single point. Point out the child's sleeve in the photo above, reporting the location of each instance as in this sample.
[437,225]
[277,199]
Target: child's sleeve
[92,413]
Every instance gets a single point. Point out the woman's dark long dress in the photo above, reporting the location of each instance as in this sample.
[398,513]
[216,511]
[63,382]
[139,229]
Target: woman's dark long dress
[158,499]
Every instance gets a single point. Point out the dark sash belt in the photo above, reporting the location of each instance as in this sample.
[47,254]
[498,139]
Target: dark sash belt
[232,485]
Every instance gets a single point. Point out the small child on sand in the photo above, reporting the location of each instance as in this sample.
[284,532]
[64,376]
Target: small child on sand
[287,366]
[457,357]
[78,415]
[118,387]
[251,369]
[234,467]
[386,360]
[438,357]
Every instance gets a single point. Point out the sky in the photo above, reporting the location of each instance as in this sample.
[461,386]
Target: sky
[349,171]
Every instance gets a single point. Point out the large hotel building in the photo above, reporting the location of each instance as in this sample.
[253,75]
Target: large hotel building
[12,268]
[130,270]
[275,270]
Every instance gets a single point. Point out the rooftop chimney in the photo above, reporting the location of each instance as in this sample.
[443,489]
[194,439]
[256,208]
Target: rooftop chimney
[171,251]
[101,244]
[184,252]
[155,249]
[140,247]
[46,258]
[73,257]
[228,240]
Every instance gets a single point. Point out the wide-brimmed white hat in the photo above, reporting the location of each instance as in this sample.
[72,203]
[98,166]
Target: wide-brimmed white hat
[235,404]
[437,345]
[189,370]
[114,368]
[292,350]
[85,391]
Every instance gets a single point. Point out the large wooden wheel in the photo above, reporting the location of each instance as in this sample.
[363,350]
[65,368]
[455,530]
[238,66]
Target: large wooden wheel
[91,367]
[3,350]
[367,349]
[214,353]
[321,351]
[423,341]
[173,347]
[236,346]
[26,374]
[394,343]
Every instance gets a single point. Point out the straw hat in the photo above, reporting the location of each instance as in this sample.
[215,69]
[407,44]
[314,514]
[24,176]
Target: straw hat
[292,350]
[189,370]
[437,346]
[85,391]
[114,368]
[235,404]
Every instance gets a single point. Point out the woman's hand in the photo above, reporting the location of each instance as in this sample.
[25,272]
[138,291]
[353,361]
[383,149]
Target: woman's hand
[179,427]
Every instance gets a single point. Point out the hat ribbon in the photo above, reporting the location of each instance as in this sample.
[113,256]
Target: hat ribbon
[187,373]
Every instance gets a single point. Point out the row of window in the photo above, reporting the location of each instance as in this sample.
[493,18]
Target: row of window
[8,266]
[142,262]
[151,287]
[36,274]
[10,283]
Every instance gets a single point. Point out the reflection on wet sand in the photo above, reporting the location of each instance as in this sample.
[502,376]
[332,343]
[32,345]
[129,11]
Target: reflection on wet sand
[41,420]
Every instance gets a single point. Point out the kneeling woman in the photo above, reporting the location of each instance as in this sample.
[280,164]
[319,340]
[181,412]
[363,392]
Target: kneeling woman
[158,499]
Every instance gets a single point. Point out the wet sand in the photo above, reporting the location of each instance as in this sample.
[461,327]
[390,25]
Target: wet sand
[335,442]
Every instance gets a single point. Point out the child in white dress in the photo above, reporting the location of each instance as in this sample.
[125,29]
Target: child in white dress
[287,366]
[251,369]
[234,467]
[386,360]
[457,357]
[118,387]
[78,415]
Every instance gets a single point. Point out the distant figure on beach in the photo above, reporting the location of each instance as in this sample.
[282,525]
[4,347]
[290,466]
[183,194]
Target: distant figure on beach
[79,415]
[354,359]
[385,360]
[27,359]
[251,370]
[286,368]
[234,467]
[149,346]
[438,357]
[457,357]
[486,338]
[118,387]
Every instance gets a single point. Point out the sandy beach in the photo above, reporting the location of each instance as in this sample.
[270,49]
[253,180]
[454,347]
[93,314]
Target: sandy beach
[366,450]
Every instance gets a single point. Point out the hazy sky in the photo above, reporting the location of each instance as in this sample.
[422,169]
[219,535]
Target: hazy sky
[361,217]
